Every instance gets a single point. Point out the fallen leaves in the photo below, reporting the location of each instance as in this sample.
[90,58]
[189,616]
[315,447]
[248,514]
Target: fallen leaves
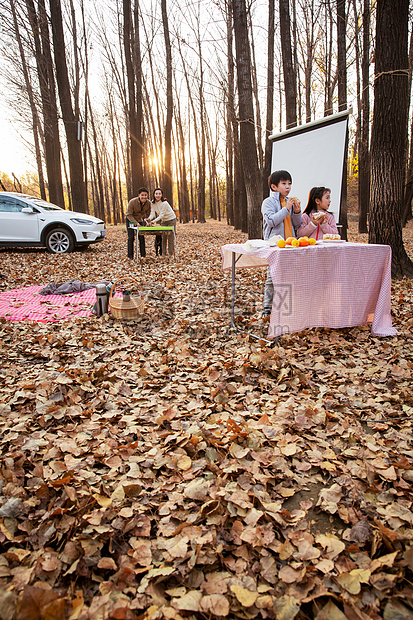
[169,468]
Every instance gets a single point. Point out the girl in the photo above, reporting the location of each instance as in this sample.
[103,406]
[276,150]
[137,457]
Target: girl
[163,215]
[317,221]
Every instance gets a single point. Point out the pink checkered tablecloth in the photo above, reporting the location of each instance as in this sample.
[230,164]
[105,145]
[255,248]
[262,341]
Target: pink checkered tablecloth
[326,285]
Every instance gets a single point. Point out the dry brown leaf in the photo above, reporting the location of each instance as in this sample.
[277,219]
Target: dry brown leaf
[189,602]
[215,604]
[168,439]
[352,581]
[244,596]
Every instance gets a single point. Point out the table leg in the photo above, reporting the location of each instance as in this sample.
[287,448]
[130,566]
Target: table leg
[233,292]
[233,324]
[175,247]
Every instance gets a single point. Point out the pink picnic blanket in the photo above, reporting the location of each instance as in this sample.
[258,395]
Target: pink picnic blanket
[21,304]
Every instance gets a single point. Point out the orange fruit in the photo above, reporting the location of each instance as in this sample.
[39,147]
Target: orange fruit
[289,240]
[281,243]
[311,241]
[295,243]
[303,242]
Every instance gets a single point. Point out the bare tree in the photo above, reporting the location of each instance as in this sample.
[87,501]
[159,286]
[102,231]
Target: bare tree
[183,193]
[326,60]
[364,157]
[270,97]
[70,116]
[45,71]
[202,152]
[30,94]
[408,192]
[310,18]
[256,95]
[389,131]
[134,80]
[290,78]
[246,119]
[167,173]
[194,202]
[341,55]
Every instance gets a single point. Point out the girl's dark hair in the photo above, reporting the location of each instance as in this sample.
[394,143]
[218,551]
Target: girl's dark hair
[156,190]
[277,176]
[315,193]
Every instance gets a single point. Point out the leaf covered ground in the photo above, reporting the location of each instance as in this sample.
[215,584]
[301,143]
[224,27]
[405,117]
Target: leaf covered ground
[170,468]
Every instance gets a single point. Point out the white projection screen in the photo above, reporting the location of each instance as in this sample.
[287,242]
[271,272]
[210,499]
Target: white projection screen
[314,154]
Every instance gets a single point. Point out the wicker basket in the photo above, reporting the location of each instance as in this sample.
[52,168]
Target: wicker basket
[126,310]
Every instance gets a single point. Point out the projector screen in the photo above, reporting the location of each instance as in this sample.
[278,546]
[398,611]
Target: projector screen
[314,154]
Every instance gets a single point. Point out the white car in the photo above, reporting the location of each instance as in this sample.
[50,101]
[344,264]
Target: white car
[26,221]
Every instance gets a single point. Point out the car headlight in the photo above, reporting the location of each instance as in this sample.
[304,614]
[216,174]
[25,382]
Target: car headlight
[79,220]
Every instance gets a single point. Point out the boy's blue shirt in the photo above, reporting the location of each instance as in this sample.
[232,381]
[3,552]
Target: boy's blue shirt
[273,216]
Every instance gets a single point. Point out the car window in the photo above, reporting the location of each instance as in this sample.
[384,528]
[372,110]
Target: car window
[11,205]
[48,206]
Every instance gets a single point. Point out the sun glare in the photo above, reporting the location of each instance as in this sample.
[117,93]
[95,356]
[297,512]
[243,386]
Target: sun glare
[155,163]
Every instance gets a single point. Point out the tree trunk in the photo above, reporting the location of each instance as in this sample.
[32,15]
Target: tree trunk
[311,17]
[230,119]
[240,194]
[184,207]
[202,168]
[342,98]
[194,201]
[137,65]
[270,98]
[389,131]
[364,157]
[328,54]
[30,94]
[408,191]
[246,116]
[356,142]
[258,124]
[296,65]
[45,72]
[167,173]
[290,78]
[85,65]
[99,195]
[341,55]
[133,73]
[69,118]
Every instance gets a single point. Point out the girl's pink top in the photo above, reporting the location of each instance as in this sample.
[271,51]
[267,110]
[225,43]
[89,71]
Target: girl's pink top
[308,229]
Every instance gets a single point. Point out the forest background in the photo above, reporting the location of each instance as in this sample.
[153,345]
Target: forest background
[126,94]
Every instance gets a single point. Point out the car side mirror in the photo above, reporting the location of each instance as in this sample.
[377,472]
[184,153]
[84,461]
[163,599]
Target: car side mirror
[27,210]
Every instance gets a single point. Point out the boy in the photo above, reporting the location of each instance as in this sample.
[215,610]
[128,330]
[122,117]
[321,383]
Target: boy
[281,216]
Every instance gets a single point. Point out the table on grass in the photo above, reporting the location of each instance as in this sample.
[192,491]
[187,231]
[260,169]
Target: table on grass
[332,285]
[155,230]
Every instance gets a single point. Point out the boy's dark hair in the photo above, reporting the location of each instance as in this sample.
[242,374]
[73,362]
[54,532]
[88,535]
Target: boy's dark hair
[277,176]
[143,189]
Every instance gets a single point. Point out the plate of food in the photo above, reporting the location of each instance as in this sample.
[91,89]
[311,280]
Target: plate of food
[333,239]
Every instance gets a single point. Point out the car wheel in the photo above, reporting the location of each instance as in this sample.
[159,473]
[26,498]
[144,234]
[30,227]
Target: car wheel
[59,241]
